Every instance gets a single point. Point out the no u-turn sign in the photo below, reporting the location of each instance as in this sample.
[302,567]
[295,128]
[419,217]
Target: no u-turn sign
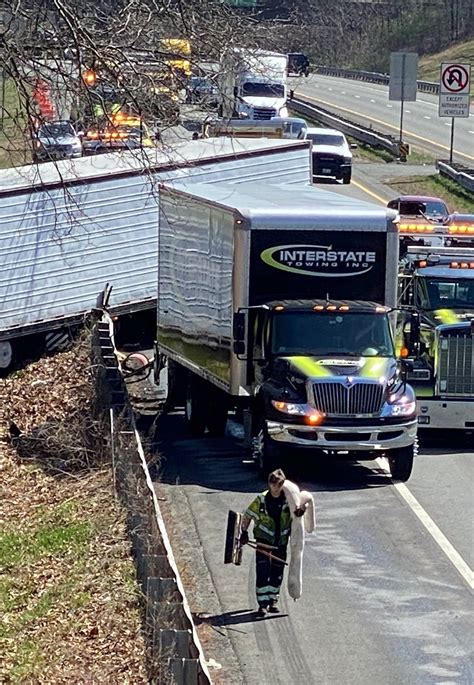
[455,84]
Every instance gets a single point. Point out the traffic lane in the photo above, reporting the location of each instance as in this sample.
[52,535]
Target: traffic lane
[372,576]
[368,103]
[442,484]
[374,100]
[365,185]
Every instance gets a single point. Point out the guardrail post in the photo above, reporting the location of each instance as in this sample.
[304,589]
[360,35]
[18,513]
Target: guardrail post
[185,671]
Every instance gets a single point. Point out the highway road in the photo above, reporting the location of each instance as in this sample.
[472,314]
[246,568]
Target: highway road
[387,596]
[387,591]
[368,104]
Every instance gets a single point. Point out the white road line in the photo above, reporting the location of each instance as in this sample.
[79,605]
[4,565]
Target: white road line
[454,557]
[357,96]
[471,131]
[372,101]
[389,105]
[425,117]
[408,111]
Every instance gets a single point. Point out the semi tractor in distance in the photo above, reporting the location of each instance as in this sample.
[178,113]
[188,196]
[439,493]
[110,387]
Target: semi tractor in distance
[277,302]
[438,282]
[252,84]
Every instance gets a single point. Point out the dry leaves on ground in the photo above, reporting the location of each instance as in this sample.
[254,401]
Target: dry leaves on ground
[68,596]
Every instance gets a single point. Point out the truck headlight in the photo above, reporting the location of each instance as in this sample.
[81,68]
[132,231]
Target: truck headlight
[400,404]
[310,415]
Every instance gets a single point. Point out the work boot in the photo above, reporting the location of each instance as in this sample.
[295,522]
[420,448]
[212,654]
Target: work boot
[273,607]
[262,611]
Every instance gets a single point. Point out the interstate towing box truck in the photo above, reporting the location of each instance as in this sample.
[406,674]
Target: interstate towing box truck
[438,282]
[275,301]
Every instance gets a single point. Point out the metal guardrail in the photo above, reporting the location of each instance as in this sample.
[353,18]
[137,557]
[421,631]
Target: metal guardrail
[174,651]
[462,175]
[361,133]
[371,77]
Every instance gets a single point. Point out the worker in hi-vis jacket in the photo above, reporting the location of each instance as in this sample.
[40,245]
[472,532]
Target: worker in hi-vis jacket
[271,517]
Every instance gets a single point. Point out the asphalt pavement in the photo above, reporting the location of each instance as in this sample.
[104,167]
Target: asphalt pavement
[368,104]
[385,598]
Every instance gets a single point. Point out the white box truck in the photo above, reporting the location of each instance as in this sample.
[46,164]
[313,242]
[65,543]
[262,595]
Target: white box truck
[276,301]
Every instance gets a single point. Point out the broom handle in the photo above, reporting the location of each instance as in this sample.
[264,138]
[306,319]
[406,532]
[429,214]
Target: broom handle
[257,548]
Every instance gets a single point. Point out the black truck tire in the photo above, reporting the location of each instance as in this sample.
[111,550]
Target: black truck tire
[268,454]
[401,462]
[7,357]
[346,177]
[177,386]
[217,410]
[195,406]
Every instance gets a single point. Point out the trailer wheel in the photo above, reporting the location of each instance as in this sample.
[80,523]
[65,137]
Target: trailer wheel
[401,462]
[6,356]
[195,407]
[217,410]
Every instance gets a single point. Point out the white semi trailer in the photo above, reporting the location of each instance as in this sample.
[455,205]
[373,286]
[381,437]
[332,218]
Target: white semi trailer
[68,228]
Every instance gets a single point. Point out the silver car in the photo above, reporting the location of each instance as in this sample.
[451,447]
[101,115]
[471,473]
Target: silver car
[56,140]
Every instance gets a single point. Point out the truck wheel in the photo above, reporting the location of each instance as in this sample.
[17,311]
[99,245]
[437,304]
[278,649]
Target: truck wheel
[217,410]
[401,462]
[6,357]
[195,407]
[346,177]
[176,386]
[266,453]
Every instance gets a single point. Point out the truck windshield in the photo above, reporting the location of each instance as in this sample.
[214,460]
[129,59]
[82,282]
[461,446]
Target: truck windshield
[436,293]
[325,139]
[321,333]
[263,90]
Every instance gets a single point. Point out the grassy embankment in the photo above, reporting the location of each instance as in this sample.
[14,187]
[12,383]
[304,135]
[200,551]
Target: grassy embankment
[15,148]
[429,65]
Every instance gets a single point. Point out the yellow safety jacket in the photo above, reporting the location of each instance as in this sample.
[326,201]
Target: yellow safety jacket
[264,525]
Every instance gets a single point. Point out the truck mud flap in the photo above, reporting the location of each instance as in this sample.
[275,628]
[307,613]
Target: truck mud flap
[232,548]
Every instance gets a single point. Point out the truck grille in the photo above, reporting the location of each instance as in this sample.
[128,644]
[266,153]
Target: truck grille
[456,364]
[263,113]
[335,399]
[325,164]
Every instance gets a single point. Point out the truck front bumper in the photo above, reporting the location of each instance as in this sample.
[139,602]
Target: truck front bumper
[447,414]
[344,438]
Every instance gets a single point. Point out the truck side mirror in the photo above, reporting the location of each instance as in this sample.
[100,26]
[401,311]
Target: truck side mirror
[238,332]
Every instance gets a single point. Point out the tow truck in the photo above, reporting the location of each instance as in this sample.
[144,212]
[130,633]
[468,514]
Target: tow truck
[428,221]
[438,284]
[119,132]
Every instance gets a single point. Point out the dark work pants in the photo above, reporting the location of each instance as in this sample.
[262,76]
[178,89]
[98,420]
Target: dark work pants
[269,576]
